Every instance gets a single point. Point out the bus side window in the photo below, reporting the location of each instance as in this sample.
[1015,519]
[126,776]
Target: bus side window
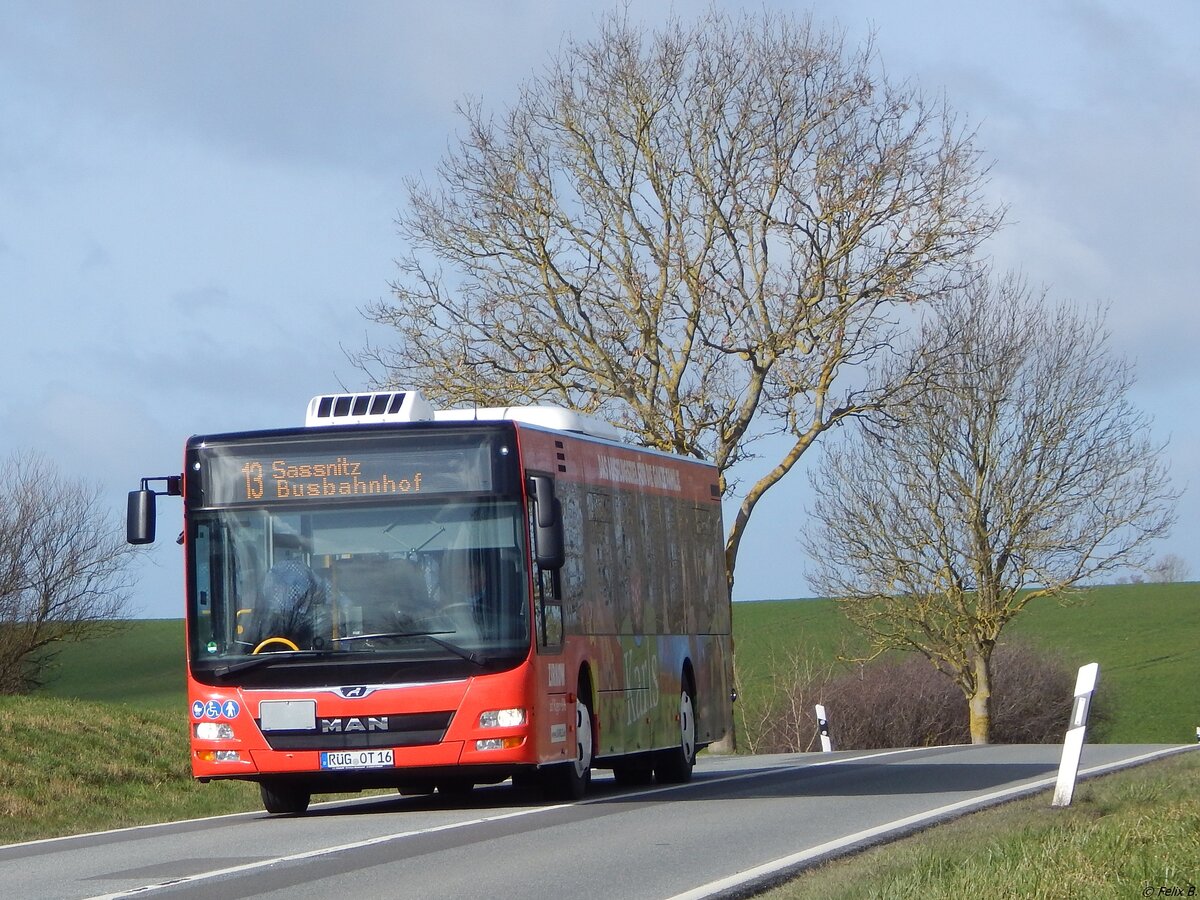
[550,626]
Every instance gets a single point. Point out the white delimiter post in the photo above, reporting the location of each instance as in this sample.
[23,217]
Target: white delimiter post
[823,725]
[1068,769]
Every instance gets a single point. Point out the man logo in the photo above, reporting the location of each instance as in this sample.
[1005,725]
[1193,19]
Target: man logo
[352,724]
[355,693]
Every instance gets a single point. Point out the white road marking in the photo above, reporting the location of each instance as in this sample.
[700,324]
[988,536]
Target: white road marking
[250,813]
[321,851]
[400,835]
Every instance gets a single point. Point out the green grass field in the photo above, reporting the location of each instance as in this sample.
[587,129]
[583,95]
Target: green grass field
[142,665]
[1146,639]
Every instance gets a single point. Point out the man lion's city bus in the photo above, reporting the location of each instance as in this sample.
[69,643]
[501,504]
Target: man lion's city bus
[393,597]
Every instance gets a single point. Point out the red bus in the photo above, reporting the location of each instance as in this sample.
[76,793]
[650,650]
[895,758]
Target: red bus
[397,597]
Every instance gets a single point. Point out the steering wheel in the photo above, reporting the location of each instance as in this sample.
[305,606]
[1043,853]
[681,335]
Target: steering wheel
[274,640]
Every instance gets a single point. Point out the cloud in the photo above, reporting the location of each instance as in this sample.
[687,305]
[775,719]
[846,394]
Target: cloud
[358,86]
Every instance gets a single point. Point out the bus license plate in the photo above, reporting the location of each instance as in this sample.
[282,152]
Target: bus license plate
[357,759]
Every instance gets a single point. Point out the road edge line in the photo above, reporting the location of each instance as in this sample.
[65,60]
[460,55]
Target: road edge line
[770,871]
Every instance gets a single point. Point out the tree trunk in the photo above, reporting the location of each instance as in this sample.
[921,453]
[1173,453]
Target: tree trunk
[979,703]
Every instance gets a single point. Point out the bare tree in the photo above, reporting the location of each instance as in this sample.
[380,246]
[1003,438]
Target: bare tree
[1024,472]
[63,567]
[699,233]
[1168,568]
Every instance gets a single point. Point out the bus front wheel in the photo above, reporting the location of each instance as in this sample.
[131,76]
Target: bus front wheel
[282,798]
[570,781]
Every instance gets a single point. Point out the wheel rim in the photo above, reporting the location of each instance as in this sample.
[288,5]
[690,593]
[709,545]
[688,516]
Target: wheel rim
[583,740]
[687,726]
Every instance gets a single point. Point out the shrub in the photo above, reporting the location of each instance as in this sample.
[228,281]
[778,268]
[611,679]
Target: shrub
[908,703]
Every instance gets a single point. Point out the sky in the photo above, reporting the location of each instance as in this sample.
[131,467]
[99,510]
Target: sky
[197,200]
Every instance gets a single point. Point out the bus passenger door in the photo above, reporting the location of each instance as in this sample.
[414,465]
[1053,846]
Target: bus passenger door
[546,541]
[548,607]
[553,739]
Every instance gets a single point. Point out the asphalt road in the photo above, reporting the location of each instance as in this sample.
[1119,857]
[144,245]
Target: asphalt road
[741,822]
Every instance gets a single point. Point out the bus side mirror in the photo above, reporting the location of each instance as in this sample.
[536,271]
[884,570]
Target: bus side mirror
[139,518]
[547,523]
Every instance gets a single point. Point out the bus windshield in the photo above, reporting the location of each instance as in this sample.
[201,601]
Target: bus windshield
[420,588]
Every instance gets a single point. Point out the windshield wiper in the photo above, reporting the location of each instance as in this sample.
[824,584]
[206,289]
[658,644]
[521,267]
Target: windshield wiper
[266,659]
[469,655]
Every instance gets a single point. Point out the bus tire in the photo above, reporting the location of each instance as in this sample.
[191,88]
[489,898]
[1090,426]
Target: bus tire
[570,781]
[674,766]
[282,798]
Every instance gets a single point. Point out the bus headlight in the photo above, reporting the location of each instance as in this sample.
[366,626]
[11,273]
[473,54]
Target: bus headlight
[508,743]
[502,718]
[213,731]
[219,755]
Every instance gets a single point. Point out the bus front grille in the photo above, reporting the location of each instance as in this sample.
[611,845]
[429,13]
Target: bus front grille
[364,732]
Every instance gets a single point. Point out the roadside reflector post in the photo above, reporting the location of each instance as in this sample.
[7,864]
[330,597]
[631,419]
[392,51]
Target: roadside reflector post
[823,726]
[1068,769]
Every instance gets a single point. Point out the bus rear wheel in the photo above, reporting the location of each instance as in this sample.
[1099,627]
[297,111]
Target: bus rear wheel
[674,766]
[282,798]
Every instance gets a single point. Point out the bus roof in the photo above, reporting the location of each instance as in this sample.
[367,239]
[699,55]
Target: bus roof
[387,407]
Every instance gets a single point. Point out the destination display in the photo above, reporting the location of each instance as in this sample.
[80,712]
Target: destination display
[231,476]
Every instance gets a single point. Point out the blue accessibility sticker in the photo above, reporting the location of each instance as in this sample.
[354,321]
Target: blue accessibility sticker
[197,709]
[212,709]
[231,709]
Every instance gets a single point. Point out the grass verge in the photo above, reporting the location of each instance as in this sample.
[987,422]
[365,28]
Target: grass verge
[70,766]
[1135,833]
